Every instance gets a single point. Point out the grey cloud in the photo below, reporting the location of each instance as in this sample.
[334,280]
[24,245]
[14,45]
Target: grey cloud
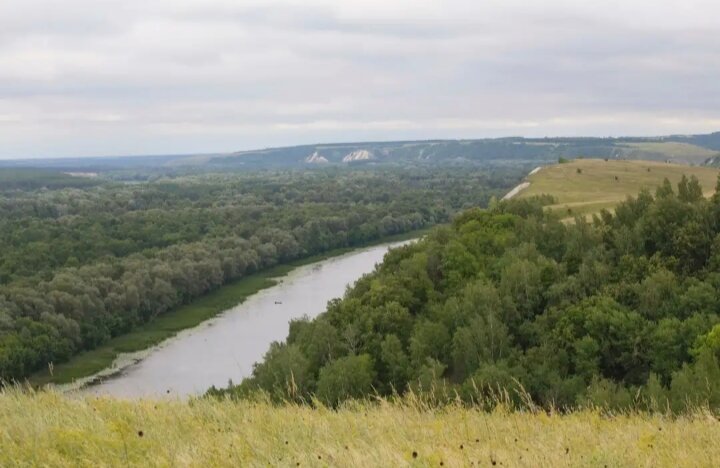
[63,21]
[185,76]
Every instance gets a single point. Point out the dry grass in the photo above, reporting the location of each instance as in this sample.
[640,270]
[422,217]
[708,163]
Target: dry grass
[604,184]
[54,430]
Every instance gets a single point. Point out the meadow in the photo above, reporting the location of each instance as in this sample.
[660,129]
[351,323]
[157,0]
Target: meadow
[50,429]
[585,186]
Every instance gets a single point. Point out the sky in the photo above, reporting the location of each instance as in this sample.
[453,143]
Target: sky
[109,77]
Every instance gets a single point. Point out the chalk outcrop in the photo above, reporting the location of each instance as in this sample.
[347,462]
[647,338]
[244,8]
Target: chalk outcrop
[359,155]
[316,158]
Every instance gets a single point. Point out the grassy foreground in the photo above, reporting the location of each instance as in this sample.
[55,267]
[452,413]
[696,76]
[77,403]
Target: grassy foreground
[50,429]
[603,184]
[187,316]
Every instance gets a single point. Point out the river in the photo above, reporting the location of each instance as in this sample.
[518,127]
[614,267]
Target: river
[227,346]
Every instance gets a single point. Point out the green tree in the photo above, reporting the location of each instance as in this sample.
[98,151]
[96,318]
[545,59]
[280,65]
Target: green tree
[318,341]
[667,348]
[284,373]
[345,378]
[665,190]
[658,295]
[430,340]
[396,362]
[698,384]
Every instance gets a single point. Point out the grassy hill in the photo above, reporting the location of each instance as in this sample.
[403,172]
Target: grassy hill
[586,186]
[51,430]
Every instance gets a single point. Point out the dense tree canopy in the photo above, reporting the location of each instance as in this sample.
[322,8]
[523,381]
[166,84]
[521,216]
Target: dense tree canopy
[618,311]
[84,262]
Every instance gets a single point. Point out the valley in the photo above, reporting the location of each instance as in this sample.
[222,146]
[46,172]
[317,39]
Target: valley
[359,233]
[260,305]
[226,347]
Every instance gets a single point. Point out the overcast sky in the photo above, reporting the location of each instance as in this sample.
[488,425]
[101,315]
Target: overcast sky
[107,77]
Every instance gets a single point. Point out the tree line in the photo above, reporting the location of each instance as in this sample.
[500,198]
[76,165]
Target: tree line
[82,265]
[620,311]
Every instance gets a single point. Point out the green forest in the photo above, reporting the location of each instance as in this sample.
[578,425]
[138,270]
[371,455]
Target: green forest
[510,304]
[87,260]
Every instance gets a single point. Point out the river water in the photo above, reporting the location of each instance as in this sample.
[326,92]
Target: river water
[226,346]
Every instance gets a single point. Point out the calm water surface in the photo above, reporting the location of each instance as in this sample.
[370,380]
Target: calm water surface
[226,347]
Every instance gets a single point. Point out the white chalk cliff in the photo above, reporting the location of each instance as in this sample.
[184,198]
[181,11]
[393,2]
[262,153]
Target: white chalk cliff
[316,158]
[359,155]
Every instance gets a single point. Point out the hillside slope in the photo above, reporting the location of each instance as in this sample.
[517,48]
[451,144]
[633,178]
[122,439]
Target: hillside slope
[676,152]
[690,149]
[59,431]
[586,186]
[496,151]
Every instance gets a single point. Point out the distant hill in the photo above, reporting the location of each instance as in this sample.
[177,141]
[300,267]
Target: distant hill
[710,141]
[446,152]
[670,151]
[586,186]
[691,149]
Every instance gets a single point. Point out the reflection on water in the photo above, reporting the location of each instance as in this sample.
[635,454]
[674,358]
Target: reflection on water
[226,347]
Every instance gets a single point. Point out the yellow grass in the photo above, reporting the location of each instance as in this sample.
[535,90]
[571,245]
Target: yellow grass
[597,187]
[53,430]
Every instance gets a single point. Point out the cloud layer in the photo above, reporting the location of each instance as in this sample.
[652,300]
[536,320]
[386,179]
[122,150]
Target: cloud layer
[95,77]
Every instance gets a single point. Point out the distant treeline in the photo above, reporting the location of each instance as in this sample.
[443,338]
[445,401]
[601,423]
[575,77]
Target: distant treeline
[81,265]
[32,178]
[620,312]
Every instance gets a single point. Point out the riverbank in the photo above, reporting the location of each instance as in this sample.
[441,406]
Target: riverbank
[90,363]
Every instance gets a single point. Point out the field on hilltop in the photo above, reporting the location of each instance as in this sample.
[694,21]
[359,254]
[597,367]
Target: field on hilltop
[54,430]
[670,151]
[585,186]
